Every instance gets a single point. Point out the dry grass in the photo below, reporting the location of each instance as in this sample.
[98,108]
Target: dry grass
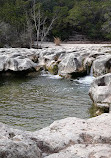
[57,41]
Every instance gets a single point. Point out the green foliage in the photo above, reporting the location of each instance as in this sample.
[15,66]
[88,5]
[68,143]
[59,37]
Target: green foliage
[92,18]
[89,17]
[85,15]
[53,69]
[60,26]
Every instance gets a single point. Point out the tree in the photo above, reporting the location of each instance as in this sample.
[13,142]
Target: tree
[61,28]
[31,20]
[85,17]
[42,24]
[106,16]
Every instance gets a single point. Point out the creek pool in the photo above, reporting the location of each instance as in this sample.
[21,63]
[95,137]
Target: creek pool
[35,101]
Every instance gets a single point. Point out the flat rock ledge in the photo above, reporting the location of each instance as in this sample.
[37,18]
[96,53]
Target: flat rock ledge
[70,138]
[66,60]
[17,60]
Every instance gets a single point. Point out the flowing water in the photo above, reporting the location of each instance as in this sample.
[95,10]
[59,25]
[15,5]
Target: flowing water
[35,101]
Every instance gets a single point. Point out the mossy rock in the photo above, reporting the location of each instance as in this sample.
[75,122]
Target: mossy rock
[96,111]
[53,69]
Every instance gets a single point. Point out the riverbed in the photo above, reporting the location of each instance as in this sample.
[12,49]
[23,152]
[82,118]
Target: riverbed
[35,101]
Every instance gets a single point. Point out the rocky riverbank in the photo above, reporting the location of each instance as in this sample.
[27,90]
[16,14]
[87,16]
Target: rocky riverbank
[67,60]
[100,91]
[70,137]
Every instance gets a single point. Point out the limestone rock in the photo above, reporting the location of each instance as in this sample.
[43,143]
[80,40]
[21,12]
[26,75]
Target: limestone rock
[15,143]
[71,64]
[84,151]
[70,60]
[52,67]
[102,65]
[100,91]
[16,60]
[76,138]
[71,137]
[15,149]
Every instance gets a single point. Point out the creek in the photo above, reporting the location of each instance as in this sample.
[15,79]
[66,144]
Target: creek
[35,101]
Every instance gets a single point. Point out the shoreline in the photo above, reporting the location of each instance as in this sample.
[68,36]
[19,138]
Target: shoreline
[69,137]
[71,44]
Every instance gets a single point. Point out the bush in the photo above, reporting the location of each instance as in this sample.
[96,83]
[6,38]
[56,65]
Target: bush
[57,41]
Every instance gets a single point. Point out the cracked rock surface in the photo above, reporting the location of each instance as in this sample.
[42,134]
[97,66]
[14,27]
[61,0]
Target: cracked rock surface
[71,137]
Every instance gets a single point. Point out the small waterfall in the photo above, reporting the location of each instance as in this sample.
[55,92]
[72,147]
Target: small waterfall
[48,75]
[91,71]
[87,79]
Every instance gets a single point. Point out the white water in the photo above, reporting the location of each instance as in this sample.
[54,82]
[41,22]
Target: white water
[48,75]
[87,79]
[83,80]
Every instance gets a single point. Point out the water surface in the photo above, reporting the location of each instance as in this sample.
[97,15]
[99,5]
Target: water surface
[35,101]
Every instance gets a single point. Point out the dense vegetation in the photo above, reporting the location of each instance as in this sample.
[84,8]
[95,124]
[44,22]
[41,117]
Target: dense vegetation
[19,20]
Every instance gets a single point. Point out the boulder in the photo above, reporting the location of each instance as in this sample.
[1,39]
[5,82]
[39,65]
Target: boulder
[102,65]
[100,91]
[16,60]
[77,138]
[16,144]
[52,67]
[18,64]
[71,65]
[84,151]
[50,58]
[69,137]
[68,61]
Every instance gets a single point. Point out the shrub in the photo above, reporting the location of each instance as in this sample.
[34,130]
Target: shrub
[57,41]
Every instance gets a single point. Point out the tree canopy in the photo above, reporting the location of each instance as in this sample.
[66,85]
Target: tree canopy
[88,17]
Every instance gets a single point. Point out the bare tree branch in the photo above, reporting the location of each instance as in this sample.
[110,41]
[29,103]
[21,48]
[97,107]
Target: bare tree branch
[40,23]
